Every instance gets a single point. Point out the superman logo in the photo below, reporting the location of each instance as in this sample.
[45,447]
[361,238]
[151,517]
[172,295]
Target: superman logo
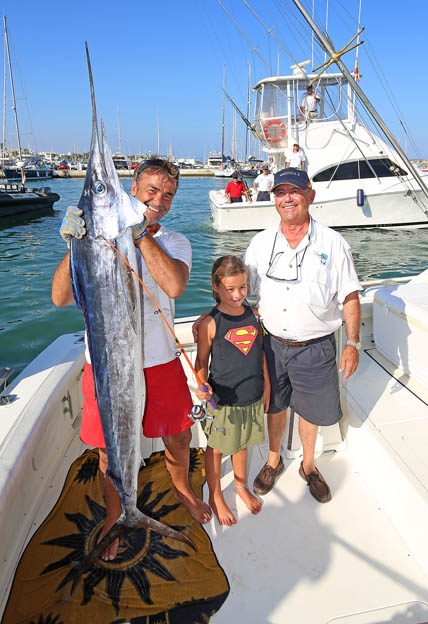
[242,338]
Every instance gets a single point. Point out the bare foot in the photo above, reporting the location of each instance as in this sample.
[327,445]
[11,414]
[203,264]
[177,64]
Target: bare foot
[200,511]
[253,503]
[221,510]
[111,551]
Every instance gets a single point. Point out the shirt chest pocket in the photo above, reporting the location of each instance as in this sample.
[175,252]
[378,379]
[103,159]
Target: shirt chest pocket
[316,286]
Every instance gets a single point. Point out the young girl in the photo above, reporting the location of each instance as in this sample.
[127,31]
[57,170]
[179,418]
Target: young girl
[238,382]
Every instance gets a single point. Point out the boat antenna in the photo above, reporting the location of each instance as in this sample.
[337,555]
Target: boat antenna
[335,57]
[245,37]
[12,89]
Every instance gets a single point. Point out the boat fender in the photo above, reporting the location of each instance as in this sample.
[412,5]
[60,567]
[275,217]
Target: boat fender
[360,197]
[278,128]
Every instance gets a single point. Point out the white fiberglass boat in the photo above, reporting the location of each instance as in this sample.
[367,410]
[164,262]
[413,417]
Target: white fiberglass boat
[360,181]
[360,559]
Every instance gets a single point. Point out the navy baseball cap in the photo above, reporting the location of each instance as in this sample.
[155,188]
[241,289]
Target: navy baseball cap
[235,175]
[295,177]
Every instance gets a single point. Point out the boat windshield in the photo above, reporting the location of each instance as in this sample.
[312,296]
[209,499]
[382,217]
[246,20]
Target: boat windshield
[284,105]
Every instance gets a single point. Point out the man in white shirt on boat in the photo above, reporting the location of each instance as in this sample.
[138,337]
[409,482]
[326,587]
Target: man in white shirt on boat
[295,157]
[301,271]
[309,105]
[263,184]
[164,264]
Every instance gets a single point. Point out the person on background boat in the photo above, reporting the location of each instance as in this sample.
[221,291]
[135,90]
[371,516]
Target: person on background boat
[263,184]
[164,262]
[309,105]
[235,189]
[295,158]
[230,341]
[301,271]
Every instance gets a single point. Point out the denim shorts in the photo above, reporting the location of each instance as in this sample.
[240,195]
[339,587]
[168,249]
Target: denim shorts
[305,378]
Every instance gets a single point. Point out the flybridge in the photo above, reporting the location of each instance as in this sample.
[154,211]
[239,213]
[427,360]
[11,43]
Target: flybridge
[279,116]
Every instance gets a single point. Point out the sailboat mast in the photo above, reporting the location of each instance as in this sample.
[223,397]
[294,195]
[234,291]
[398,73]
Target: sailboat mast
[4,103]
[157,115]
[248,113]
[12,88]
[360,93]
[118,131]
[224,107]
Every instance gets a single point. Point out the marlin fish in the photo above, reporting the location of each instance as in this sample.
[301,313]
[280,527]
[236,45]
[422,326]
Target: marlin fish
[109,296]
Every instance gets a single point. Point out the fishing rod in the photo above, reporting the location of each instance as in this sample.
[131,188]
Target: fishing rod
[198,412]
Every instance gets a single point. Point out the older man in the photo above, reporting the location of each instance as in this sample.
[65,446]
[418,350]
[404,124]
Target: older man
[164,262]
[301,271]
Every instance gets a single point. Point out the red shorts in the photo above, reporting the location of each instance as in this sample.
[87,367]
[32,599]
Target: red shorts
[168,403]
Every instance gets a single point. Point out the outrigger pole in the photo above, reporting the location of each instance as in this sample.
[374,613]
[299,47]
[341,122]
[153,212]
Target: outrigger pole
[335,57]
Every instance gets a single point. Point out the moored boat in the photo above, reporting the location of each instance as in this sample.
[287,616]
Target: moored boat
[360,179]
[17,199]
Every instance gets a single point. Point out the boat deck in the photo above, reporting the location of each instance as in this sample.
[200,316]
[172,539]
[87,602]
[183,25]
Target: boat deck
[360,559]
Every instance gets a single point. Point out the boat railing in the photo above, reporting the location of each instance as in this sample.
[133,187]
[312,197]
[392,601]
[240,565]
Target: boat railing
[12,187]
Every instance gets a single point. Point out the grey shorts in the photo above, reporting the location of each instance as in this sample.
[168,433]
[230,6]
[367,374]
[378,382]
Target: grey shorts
[306,378]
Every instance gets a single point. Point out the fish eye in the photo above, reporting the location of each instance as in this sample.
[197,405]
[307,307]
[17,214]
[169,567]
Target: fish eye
[99,187]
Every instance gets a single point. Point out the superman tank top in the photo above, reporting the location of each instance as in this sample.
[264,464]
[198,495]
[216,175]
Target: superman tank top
[236,374]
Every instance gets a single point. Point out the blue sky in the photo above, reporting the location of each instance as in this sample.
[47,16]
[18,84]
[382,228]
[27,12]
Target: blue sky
[166,59]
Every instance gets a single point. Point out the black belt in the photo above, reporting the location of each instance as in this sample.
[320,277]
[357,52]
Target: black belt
[296,343]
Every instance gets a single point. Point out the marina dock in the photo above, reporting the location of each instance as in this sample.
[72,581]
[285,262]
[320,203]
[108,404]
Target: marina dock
[127,173]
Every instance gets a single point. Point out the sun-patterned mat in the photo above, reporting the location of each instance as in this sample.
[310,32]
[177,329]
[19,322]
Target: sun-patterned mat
[153,580]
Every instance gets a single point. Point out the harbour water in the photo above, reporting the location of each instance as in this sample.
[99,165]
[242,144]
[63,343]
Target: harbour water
[31,250]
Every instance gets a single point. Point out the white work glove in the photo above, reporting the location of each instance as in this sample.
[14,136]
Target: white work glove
[72,225]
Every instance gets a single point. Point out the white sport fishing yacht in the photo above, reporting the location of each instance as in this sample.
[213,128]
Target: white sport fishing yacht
[360,181]
[360,559]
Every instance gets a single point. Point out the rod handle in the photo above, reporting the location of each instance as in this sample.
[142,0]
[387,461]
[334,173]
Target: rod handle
[211,402]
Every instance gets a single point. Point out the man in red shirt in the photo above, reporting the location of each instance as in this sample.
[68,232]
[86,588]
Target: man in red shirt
[235,189]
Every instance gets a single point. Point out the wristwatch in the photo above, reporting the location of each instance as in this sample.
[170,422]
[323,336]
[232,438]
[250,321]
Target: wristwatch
[357,345]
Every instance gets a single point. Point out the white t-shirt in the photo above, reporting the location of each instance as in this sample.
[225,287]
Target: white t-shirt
[295,159]
[309,103]
[264,182]
[308,307]
[159,346]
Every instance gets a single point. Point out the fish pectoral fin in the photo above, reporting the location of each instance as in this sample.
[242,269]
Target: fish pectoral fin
[132,294]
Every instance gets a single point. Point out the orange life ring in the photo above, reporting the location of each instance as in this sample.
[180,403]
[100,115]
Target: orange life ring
[278,128]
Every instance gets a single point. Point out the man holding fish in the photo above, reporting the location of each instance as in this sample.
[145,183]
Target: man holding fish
[164,262]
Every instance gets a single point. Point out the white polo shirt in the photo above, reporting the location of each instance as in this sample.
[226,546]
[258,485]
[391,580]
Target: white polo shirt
[306,307]
[264,182]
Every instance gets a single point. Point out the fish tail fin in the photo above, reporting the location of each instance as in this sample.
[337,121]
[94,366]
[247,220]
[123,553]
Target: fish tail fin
[124,526]
[141,521]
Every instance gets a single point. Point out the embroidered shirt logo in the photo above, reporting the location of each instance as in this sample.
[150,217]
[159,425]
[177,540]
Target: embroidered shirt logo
[242,338]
